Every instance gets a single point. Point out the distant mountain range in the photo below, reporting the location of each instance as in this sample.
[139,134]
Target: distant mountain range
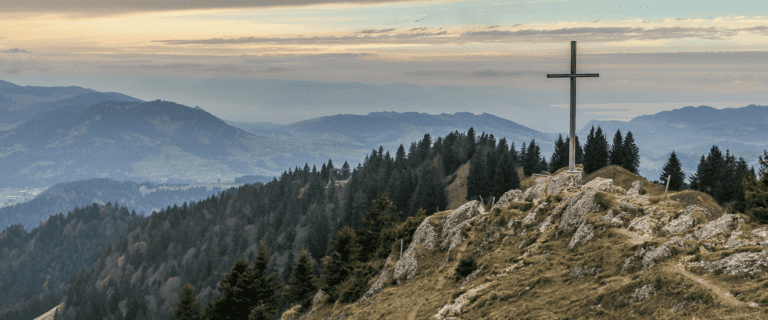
[691,132]
[64,197]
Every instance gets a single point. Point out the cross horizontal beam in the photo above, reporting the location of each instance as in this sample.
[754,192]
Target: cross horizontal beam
[568,75]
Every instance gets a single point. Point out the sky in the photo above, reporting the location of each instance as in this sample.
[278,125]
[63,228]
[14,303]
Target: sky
[651,55]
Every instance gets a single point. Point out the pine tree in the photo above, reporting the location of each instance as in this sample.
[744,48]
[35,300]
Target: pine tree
[521,155]
[187,308]
[506,176]
[631,154]
[617,150]
[471,140]
[301,287]
[675,169]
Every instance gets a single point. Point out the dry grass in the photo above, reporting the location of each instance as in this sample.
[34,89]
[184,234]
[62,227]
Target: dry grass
[457,190]
[623,178]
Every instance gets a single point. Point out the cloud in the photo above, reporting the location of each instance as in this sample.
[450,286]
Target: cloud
[759,29]
[15,50]
[274,70]
[419,29]
[352,39]
[369,31]
[602,34]
[486,73]
[90,7]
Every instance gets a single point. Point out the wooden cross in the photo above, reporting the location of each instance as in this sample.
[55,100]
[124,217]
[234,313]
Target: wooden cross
[573,75]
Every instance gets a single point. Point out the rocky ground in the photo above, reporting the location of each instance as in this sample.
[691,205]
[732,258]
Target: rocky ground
[567,249]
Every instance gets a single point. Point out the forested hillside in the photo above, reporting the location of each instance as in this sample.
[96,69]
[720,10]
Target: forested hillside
[139,276]
[39,264]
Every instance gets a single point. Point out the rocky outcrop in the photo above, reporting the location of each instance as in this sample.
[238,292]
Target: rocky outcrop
[538,191]
[579,206]
[455,308]
[636,187]
[562,181]
[641,293]
[644,226]
[507,197]
[737,263]
[582,235]
[376,287]
[683,222]
[716,227]
[456,220]
[423,237]
[579,272]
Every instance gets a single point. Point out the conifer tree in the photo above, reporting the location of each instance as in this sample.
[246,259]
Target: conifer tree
[617,150]
[513,154]
[506,176]
[543,165]
[601,149]
[589,152]
[631,153]
[579,156]
[532,159]
[187,308]
[521,155]
[301,287]
[675,169]
[478,177]
[756,190]
[471,139]
[559,157]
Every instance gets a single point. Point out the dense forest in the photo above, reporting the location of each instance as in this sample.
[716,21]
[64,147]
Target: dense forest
[36,266]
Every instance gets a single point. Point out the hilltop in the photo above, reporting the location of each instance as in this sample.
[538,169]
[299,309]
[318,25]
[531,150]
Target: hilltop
[572,247]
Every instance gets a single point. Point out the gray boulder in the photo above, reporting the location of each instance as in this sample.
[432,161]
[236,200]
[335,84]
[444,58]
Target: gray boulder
[584,233]
[716,227]
[636,187]
[425,237]
[456,220]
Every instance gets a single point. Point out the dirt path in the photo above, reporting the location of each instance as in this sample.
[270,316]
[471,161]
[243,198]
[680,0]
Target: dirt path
[721,294]
[48,315]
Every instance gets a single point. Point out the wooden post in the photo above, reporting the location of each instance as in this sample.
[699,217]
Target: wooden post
[665,190]
[401,248]
[481,200]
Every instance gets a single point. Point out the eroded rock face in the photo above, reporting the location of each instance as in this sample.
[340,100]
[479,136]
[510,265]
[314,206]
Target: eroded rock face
[507,197]
[683,222]
[377,286]
[582,235]
[425,237]
[645,226]
[636,187]
[737,263]
[563,180]
[716,227]
[579,206]
[539,191]
[455,221]
[641,293]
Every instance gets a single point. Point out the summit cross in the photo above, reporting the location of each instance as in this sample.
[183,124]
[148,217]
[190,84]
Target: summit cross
[573,75]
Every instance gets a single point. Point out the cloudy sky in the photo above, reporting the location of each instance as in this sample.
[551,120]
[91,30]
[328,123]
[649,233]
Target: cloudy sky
[652,55]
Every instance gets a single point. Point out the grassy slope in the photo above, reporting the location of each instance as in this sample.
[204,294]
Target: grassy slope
[541,287]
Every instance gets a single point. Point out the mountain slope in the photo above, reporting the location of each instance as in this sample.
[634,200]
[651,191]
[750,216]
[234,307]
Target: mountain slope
[156,140]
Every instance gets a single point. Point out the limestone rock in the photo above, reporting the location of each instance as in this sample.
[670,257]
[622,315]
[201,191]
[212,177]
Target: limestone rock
[507,197]
[641,293]
[455,308]
[737,263]
[579,206]
[636,187]
[425,237]
[546,224]
[563,180]
[611,218]
[716,227]
[579,272]
[598,184]
[683,222]
[760,236]
[376,286]
[584,233]
[645,225]
[651,255]
[455,221]
[538,191]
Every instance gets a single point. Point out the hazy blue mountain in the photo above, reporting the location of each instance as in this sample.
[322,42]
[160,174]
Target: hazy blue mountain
[691,132]
[21,103]
[126,140]
[361,133]
[61,198]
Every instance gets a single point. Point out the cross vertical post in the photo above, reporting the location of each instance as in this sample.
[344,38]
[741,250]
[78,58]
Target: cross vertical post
[573,75]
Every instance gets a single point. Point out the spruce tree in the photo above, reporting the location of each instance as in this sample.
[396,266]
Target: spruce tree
[559,157]
[471,140]
[601,149]
[675,169]
[477,180]
[617,150]
[301,287]
[521,155]
[631,154]
[532,159]
[187,308]
[506,176]
[756,190]
[513,154]
[590,153]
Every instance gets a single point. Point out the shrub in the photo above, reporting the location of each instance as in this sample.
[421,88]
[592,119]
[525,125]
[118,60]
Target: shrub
[466,265]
